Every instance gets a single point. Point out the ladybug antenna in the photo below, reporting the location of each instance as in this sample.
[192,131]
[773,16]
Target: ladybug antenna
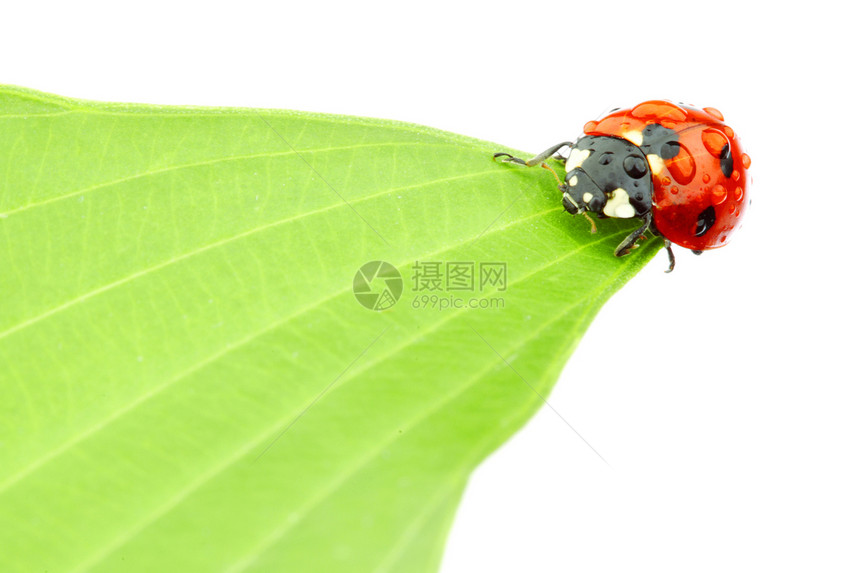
[590,220]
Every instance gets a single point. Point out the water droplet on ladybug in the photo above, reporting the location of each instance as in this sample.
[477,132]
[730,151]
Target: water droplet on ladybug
[719,194]
[682,166]
[745,159]
[706,178]
[659,110]
[736,175]
[729,131]
[713,112]
[674,190]
[665,181]
[714,141]
[739,194]
[635,166]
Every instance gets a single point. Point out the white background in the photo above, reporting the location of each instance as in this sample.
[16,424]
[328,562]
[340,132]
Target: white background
[731,418]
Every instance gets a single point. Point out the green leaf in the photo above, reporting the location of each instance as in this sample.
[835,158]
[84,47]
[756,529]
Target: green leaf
[189,382]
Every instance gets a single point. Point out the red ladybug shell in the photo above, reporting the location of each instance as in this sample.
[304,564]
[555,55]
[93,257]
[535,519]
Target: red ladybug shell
[709,170]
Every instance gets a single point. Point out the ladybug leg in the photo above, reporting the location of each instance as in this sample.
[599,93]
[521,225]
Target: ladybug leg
[628,243]
[537,159]
[672,255]
[554,174]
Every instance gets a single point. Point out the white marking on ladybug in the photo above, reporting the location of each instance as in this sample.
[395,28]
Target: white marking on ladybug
[619,205]
[587,197]
[634,137]
[573,181]
[656,163]
[576,158]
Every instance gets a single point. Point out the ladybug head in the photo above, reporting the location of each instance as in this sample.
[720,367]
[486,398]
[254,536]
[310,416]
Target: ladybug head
[609,176]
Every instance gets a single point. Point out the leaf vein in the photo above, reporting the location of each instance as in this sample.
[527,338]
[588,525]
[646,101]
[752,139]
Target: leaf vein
[215,161]
[104,288]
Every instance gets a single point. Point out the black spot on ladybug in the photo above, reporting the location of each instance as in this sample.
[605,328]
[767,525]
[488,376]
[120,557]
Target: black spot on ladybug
[661,141]
[670,149]
[635,166]
[726,160]
[705,221]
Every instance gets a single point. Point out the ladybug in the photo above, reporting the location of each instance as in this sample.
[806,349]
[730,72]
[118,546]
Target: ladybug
[679,169]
